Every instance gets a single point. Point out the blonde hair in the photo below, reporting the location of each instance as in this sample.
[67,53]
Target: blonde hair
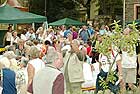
[21,41]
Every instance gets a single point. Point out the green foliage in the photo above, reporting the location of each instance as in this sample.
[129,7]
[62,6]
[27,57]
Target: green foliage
[111,77]
[119,42]
[2,1]
[55,9]
[103,82]
[104,46]
[37,6]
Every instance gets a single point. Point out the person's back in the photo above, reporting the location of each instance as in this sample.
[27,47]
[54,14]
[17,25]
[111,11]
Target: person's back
[84,34]
[44,81]
[129,60]
[37,64]
[75,35]
[67,32]
[9,86]
[49,80]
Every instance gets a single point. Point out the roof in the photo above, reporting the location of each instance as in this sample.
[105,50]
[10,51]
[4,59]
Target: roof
[12,15]
[66,21]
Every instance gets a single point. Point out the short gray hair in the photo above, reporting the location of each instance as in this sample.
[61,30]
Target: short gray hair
[34,52]
[4,62]
[76,42]
[9,54]
[51,55]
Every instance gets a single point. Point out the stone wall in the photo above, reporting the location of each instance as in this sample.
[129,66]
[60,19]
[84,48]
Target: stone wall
[129,10]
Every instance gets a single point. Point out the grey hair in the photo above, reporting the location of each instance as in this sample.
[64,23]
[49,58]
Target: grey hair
[4,62]
[51,55]
[34,52]
[9,54]
[76,42]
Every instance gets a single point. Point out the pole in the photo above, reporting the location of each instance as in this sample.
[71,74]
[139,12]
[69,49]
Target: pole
[33,26]
[123,14]
[45,9]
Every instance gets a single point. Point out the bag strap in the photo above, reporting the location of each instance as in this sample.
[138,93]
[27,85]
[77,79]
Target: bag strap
[68,59]
[112,52]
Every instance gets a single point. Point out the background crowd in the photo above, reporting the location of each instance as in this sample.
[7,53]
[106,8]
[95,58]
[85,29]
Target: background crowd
[63,60]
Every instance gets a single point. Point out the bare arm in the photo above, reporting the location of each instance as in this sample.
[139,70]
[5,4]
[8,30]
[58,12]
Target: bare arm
[31,72]
[119,69]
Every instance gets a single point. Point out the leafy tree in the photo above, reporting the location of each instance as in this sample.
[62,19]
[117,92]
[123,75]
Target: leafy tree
[37,6]
[120,42]
[106,7]
[55,9]
[2,1]
[111,7]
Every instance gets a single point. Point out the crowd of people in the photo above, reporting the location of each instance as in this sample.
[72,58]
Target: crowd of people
[63,60]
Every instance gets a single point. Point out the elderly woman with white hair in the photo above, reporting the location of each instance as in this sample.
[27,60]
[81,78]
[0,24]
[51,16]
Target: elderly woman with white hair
[8,77]
[35,64]
[11,57]
[21,77]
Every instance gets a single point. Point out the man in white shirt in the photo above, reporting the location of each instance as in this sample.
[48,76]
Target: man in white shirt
[129,67]
[8,36]
[14,39]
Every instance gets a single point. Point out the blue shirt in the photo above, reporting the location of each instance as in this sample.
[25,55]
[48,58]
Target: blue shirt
[102,32]
[9,85]
[84,35]
[91,31]
[66,33]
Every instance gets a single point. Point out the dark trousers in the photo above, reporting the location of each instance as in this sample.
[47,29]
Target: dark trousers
[7,43]
[113,88]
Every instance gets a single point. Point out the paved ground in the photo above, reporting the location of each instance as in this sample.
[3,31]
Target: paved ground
[108,92]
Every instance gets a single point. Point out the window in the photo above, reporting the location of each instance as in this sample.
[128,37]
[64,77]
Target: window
[138,12]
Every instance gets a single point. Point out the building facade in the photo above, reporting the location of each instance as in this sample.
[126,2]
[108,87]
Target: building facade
[132,10]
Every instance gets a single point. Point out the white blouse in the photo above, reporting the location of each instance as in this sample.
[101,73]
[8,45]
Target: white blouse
[105,64]
[37,64]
